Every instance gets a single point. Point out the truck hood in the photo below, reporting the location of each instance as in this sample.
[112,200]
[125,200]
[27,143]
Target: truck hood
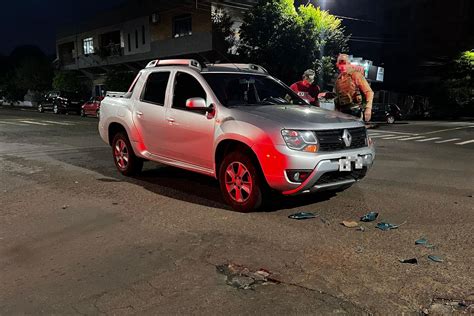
[297,116]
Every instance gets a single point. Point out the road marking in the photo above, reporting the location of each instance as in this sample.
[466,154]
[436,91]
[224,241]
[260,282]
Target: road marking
[411,138]
[448,129]
[377,136]
[395,137]
[397,133]
[447,140]
[13,123]
[58,123]
[466,142]
[427,140]
[34,123]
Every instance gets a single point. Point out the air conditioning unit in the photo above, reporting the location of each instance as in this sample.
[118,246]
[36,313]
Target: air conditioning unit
[155,18]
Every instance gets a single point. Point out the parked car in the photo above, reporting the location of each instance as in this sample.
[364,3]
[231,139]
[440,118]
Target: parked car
[238,124]
[389,113]
[91,107]
[62,102]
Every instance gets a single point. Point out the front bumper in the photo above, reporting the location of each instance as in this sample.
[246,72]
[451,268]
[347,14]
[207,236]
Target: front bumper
[327,176]
[325,172]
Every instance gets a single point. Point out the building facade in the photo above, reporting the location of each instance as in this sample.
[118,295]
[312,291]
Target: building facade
[126,38]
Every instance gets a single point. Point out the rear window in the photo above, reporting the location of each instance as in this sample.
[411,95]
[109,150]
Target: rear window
[155,88]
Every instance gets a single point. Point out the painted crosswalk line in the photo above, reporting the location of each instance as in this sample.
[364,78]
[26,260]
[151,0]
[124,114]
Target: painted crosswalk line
[58,123]
[427,139]
[466,142]
[13,123]
[379,136]
[394,137]
[447,140]
[34,123]
[411,138]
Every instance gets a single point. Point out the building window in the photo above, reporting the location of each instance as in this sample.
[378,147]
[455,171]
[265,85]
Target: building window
[182,25]
[136,39]
[129,43]
[88,45]
[143,35]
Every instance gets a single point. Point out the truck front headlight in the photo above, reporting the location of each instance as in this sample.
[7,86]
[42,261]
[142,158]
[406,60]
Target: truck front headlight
[300,140]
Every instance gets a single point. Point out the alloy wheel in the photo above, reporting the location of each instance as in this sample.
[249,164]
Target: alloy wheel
[121,154]
[238,182]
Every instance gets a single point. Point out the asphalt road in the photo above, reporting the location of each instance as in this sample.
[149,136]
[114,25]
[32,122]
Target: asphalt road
[78,238]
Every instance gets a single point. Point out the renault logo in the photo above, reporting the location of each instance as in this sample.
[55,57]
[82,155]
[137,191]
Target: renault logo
[347,138]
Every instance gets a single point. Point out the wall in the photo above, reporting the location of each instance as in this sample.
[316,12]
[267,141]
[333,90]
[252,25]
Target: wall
[201,23]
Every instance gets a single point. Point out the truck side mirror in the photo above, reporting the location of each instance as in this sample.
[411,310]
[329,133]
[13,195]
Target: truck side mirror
[196,104]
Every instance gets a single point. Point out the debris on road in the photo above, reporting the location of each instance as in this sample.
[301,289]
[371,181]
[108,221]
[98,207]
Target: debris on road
[442,306]
[435,258]
[65,207]
[242,278]
[302,215]
[421,241]
[424,242]
[350,224]
[369,217]
[387,226]
[361,229]
[76,182]
[411,261]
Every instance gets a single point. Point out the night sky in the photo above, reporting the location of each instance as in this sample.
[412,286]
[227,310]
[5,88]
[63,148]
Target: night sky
[34,22]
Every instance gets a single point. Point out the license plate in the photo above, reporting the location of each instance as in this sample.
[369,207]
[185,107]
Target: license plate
[345,164]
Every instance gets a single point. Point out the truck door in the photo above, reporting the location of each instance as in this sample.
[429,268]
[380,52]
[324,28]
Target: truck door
[190,134]
[149,112]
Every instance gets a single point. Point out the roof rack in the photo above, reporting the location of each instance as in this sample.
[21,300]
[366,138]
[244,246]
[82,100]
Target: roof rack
[174,62]
[251,67]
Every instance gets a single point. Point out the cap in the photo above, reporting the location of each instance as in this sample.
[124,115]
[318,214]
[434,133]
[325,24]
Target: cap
[309,72]
[343,59]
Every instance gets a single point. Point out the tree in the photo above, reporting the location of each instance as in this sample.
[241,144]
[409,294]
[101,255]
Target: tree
[70,81]
[460,83]
[34,74]
[222,32]
[287,41]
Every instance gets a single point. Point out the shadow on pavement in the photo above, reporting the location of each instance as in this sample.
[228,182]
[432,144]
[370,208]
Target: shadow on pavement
[177,183]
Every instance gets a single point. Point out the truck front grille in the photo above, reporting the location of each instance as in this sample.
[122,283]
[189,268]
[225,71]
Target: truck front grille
[331,140]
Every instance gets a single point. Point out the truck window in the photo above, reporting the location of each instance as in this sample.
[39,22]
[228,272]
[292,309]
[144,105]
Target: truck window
[155,88]
[186,87]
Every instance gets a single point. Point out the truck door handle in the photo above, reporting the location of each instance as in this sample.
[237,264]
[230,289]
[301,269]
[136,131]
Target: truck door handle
[139,114]
[170,120]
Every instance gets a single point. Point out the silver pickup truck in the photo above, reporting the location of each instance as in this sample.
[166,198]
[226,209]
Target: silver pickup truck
[238,124]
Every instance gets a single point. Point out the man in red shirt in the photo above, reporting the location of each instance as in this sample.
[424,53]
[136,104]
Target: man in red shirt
[306,88]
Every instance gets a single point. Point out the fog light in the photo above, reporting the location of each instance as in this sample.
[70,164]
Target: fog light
[298,176]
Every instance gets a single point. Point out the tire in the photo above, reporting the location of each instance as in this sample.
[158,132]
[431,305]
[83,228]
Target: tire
[237,171]
[390,119]
[56,109]
[82,113]
[126,162]
[40,108]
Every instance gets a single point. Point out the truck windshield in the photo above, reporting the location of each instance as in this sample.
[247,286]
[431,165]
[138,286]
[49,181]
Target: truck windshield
[236,89]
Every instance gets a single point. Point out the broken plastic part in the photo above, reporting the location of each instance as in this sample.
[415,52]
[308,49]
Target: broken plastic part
[435,258]
[302,215]
[421,241]
[411,261]
[386,226]
[369,217]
